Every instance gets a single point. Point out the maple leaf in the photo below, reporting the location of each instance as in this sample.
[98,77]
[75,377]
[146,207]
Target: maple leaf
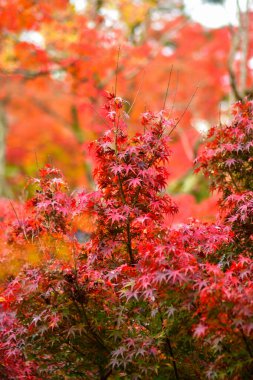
[119,352]
[129,168]
[161,276]
[112,116]
[230,162]
[248,328]
[149,293]
[142,219]
[141,352]
[117,169]
[36,319]
[200,330]
[175,276]
[171,311]
[114,216]
[129,294]
[144,281]
[134,182]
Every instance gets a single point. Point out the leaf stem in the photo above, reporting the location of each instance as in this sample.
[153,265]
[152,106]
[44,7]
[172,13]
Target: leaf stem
[168,345]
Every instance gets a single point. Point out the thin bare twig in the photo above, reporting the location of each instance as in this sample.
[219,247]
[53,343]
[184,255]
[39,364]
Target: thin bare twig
[174,97]
[167,89]
[186,108]
[138,91]
[21,225]
[116,71]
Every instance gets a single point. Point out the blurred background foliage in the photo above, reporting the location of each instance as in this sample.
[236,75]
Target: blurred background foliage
[57,59]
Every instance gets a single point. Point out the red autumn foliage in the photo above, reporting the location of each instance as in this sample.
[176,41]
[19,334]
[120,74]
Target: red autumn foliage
[136,298]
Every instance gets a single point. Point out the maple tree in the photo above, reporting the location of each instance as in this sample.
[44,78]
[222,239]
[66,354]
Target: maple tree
[136,298]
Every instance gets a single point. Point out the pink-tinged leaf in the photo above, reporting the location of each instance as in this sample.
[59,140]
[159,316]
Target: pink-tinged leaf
[128,169]
[142,219]
[149,294]
[117,169]
[171,311]
[200,330]
[134,182]
[230,162]
[175,276]
[54,320]
[248,328]
[115,217]
[160,277]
